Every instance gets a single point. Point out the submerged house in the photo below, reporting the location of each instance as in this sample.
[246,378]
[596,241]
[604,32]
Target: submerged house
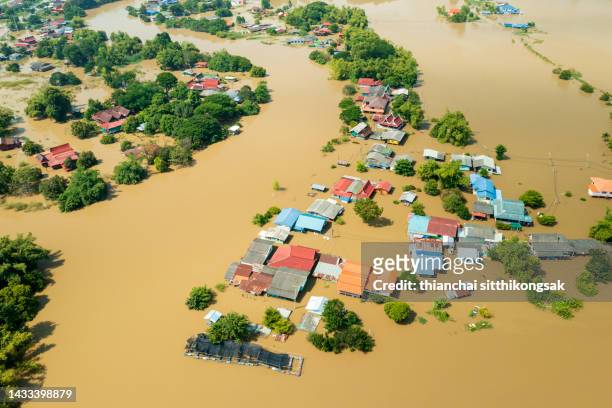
[378,160]
[278,233]
[111,120]
[551,246]
[348,189]
[485,162]
[258,252]
[464,160]
[327,208]
[408,197]
[482,187]
[600,187]
[390,121]
[9,142]
[506,8]
[351,281]
[361,130]
[478,234]
[39,66]
[431,154]
[428,257]
[57,156]
[310,222]
[288,283]
[375,104]
[365,84]
[512,211]
[294,257]
[437,228]
[391,136]
[328,267]
[287,217]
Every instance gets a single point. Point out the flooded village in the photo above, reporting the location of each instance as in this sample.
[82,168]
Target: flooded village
[266,217]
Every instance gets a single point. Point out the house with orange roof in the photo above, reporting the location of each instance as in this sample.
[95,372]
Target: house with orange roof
[351,281]
[600,187]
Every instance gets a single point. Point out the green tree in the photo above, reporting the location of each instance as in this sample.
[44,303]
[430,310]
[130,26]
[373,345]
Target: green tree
[26,180]
[367,209]
[452,128]
[600,266]
[351,115]
[19,306]
[232,326]
[87,159]
[431,187]
[161,165]
[418,208]
[337,317]
[428,170]
[200,298]
[500,152]
[397,311]
[404,167]
[129,172]
[532,199]
[31,148]
[85,188]
[53,187]
[278,324]
[450,174]
[262,94]
[517,259]
[6,178]
[84,129]
[257,72]
[49,102]
[166,80]
[7,116]
[602,231]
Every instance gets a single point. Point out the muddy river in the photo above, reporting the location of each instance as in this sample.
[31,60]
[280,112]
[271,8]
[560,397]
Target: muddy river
[115,323]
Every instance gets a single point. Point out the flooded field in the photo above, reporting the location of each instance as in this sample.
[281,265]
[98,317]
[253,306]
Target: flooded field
[116,322]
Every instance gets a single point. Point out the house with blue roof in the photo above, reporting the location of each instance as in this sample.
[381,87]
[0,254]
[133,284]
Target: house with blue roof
[482,187]
[310,222]
[288,217]
[417,225]
[521,26]
[510,210]
[427,257]
[506,8]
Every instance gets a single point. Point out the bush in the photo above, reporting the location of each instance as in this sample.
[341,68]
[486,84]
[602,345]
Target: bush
[349,90]
[587,88]
[585,283]
[397,311]
[84,129]
[108,139]
[361,168]
[161,165]
[31,148]
[566,75]
[200,298]
[532,199]
[129,172]
[61,79]
[26,180]
[500,152]
[328,148]
[418,208]
[276,322]
[13,67]
[86,160]
[367,209]
[404,168]
[85,188]
[258,72]
[319,57]
[547,220]
[431,188]
[125,145]
[70,164]
[504,226]
[52,188]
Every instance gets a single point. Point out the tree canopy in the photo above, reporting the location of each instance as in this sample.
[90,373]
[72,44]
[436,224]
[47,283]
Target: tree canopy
[452,128]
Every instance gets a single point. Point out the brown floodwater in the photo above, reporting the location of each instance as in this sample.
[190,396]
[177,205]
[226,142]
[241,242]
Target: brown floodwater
[117,305]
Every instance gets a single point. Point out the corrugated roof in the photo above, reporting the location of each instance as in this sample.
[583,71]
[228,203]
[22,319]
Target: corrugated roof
[351,279]
[287,217]
[310,222]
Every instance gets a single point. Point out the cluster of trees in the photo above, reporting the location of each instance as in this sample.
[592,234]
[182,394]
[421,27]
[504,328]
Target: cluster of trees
[452,128]
[409,108]
[602,231]
[85,187]
[319,57]
[318,12]
[533,199]
[404,167]
[464,15]
[597,270]
[350,113]
[454,203]
[7,116]
[342,330]
[131,171]
[273,319]
[63,79]
[84,129]
[50,102]
[445,176]
[200,298]
[263,219]
[20,282]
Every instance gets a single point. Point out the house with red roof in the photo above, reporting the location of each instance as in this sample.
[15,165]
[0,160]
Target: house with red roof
[322,31]
[349,188]
[57,156]
[365,84]
[390,121]
[294,257]
[206,84]
[426,227]
[384,187]
[110,120]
